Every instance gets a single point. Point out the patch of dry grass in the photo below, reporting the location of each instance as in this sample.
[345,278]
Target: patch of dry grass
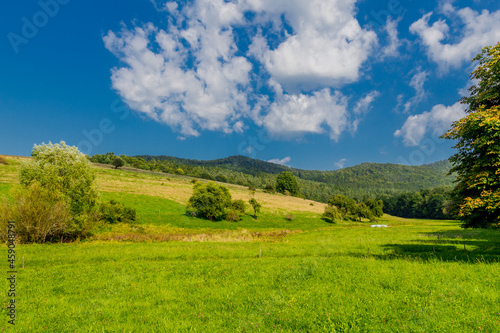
[149,233]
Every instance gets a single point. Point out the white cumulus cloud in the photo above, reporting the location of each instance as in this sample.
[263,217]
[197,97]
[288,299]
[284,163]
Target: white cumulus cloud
[437,121]
[476,31]
[326,47]
[192,76]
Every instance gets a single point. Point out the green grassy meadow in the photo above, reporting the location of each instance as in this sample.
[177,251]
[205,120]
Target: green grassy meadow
[169,272]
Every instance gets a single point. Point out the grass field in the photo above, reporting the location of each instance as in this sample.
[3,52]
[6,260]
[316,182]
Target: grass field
[174,273]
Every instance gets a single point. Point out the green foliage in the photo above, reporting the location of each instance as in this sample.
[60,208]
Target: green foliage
[210,200]
[62,168]
[232,215]
[345,208]
[239,206]
[256,207]
[3,160]
[286,181]
[114,212]
[332,213]
[426,204]
[40,214]
[118,162]
[477,161]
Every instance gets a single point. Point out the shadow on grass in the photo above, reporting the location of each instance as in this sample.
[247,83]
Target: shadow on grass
[469,246]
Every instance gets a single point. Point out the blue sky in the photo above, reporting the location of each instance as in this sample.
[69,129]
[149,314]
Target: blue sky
[317,84]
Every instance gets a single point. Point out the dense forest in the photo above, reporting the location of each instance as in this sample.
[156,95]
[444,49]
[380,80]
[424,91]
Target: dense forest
[361,182]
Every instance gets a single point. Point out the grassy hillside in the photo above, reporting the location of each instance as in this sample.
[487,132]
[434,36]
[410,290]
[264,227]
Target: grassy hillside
[173,273]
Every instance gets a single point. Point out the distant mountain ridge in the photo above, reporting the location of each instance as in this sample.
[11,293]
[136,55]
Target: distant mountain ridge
[355,180]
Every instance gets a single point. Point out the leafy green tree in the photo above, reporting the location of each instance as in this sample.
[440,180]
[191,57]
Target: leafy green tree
[61,168]
[118,162]
[477,162]
[256,207]
[209,200]
[286,181]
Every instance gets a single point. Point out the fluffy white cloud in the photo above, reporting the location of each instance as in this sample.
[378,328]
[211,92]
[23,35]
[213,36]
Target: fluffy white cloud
[192,76]
[326,47]
[437,121]
[294,115]
[282,161]
[477,30]
[156,81]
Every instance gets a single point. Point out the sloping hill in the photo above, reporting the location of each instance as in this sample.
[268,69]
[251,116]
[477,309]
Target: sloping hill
[366,177]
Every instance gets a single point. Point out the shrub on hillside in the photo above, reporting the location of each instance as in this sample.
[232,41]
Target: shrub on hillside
[232,215]
[239,206]
[209,200]
[115,212]
[3,160]
[332,213]
[39,214]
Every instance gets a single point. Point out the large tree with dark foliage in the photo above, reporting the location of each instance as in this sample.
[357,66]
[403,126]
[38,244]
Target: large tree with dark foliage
[477,162]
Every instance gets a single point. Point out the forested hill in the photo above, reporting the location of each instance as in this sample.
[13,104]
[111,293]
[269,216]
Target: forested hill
[237,163]
[367,179]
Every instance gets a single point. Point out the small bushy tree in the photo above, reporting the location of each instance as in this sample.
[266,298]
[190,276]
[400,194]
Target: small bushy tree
[209,200]
[256,207]
[286,181]
[61,168]
[118,162]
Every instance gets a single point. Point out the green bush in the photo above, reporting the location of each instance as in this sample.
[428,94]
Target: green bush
[239,206]
[209,200]
[332,213]
[232,216]
[40,214]
[114,212]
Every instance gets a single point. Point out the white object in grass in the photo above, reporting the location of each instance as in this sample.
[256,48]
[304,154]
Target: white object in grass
[378,226]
